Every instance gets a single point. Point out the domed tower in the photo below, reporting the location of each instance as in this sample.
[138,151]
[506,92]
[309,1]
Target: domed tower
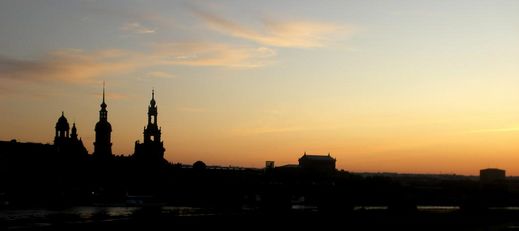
[67,143]
[103,129]
[152,149]
[62,130]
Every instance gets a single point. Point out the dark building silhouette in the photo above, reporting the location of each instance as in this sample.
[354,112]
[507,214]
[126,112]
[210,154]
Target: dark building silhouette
[103,129]
[199,165]
[62,129]
[317,163]
[14,151]
[492,175]
[67,142]
[152,148]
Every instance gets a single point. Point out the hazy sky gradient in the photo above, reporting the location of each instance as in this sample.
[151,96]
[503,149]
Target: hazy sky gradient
[400,86]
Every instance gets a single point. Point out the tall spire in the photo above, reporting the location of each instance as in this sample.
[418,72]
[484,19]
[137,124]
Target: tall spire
[152,101]
[103,91]
[103,104]
[103,129]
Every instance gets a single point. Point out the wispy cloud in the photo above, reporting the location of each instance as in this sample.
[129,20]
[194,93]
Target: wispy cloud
[298,34]
[79,66]
[68,65]
[138,28]
[213,54]
[270,130]
[160,75]
[494,130]
[113,95]
[191,109]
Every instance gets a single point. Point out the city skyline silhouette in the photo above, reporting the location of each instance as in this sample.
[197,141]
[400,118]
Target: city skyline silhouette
[150,135]
[389,87]
[178,114]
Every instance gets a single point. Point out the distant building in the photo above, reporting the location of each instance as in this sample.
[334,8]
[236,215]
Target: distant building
[67,143]
[199,165]
[269,164]
[317,163]
[103,143]
[492,175]
[152,148]
[23,152]
[67,150]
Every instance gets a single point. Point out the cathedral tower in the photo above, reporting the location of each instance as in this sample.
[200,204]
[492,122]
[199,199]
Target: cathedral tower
[103,129]
[152,149]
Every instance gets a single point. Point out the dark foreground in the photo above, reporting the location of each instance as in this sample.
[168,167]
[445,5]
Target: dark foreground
[185,218]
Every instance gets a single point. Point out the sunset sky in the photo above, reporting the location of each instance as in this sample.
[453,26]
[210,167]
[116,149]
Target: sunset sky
[384,86]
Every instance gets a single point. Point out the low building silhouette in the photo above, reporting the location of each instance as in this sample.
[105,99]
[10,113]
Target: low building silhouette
[317,163]
[66,146]
[492,175]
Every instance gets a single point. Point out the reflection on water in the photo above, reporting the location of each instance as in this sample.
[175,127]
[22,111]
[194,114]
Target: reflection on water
[34,218]
[370,208]
[423,208]
[439,209]
[305,207]
[185,211]
[508,208]
[118,212]
[83,212]
[90,212]
[37,218]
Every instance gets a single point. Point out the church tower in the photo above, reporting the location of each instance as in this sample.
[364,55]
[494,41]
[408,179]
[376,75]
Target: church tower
[152,131]
[62,130]
[152,149]
[103,129]
[68,143]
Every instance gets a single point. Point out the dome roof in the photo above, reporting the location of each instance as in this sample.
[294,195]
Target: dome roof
[62,122]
